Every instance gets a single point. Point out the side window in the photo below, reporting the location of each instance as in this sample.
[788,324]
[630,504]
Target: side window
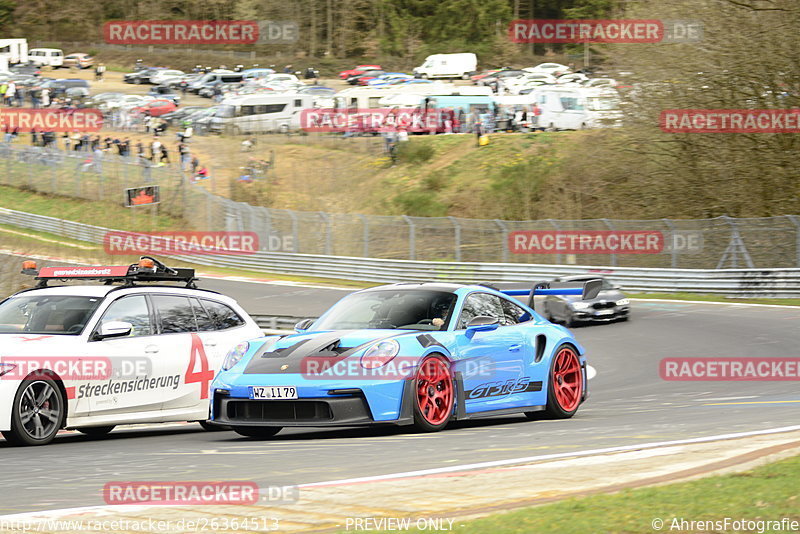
[132,309]
[175,314]
[478,304]
[514,314]
[298,103]
[223,316]
[204,321]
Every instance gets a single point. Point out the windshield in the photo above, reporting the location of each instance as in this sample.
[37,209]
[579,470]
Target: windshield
[46,314]
[392,309]
[602,103]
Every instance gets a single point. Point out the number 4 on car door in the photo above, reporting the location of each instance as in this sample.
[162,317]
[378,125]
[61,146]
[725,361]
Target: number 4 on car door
[202,374]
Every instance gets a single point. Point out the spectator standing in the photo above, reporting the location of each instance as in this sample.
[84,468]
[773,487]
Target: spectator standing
[20,96]
[36,94]
[536,111]
[11,90]
[45,97]
[99,71]
[185,156]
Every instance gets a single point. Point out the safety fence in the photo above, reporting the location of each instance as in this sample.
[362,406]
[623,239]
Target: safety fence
[717,243]
[731,282]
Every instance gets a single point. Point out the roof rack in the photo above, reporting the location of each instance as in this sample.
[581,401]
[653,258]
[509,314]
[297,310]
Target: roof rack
[148,269]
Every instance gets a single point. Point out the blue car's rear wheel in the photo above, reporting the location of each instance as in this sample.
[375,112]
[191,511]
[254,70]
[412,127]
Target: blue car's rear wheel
[434,394]
[565,385]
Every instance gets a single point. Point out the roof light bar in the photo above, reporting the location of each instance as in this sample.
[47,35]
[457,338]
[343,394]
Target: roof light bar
[147,269]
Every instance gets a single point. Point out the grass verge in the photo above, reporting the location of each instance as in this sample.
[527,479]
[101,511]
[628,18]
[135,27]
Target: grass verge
[767,493]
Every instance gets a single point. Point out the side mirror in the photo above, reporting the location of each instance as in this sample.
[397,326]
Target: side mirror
[303,325]
[481,323]
[111,329]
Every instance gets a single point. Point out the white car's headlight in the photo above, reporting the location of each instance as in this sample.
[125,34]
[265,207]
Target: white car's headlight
[235,355]
[380,354]
[578,305]
[623,302]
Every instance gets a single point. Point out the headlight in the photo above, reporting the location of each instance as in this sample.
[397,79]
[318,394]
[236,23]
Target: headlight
[623,302]
[578,305]
[235,354]
[6,368]
[380,354]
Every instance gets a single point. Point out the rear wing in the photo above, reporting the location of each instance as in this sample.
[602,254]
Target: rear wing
[587,290]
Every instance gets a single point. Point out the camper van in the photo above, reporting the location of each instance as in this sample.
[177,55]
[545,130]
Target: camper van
[577,108]
[14,50]
[46,57]
[448,66]
[400,95]
[260,113]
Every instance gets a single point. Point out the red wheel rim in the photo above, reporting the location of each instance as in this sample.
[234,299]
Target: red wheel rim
[567,379]
[434,390]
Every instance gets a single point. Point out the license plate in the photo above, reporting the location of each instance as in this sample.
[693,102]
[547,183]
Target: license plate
[605,312]
[273,392]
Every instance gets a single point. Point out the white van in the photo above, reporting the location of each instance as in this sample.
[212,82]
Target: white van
[14,50]
[577,108]
[50,57]
[260,113]
[448,66]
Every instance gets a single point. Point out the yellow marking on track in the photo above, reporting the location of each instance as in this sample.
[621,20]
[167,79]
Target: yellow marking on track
[751,402]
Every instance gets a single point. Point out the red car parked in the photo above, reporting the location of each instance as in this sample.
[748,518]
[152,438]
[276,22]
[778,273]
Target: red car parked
[156,108]
[358,70]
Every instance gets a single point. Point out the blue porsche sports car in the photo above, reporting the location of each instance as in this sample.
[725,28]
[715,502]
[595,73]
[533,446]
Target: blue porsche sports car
[421,354]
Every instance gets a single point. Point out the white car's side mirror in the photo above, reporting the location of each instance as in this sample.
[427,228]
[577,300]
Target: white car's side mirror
[111,329]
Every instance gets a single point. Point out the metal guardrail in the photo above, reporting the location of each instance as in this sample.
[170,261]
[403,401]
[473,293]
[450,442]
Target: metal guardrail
[720,242]
[276,322]
[731,282]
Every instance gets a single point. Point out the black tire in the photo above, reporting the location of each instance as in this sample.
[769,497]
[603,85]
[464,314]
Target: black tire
[25,433]
[96,430]
[465,76]
[257,431]
[554,408]
[213,428]
[138,81]
[421,420]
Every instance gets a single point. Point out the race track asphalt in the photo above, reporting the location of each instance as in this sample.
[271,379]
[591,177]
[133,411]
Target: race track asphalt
[629,404]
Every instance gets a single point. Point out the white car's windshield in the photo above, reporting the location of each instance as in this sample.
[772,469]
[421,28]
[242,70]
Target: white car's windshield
[46,314]
[393,309]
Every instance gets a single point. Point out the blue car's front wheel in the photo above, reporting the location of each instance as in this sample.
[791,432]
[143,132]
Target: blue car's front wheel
[434,394]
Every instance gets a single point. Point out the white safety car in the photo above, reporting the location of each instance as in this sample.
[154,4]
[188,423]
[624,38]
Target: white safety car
[133,349]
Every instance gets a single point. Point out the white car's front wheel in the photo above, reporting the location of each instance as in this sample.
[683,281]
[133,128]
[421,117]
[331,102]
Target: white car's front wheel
[37,413]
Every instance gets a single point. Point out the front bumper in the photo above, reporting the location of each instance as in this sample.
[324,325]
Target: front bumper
[345,410]
[603,315]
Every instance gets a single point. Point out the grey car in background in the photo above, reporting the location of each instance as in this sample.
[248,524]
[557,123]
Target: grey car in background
[609,305]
